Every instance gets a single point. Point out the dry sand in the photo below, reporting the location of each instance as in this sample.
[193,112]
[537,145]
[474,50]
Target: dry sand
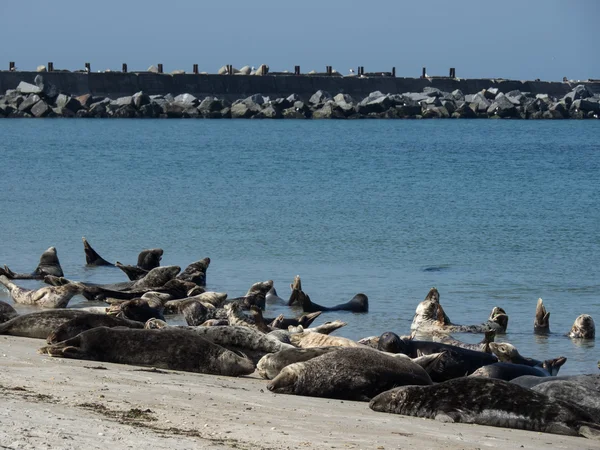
[66,403]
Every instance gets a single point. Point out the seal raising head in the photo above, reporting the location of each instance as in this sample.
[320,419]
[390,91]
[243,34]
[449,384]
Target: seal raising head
[583,328]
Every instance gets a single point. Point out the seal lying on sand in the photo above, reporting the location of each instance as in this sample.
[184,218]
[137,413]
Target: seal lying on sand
[583,328]
[348,373]
[91,257]
[455,361]
[169,348]
[358,303]
[308,339]
[430,316]
[79,324]
[138,309]
[40,324]
[7,312]
[541,324]
[582,390]
[509,371]
[46,297]
[271,364]
[483,346]
[485,402]
[216,299]
[49,265]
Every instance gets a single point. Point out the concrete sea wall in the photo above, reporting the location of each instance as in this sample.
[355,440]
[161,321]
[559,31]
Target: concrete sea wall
[231,87]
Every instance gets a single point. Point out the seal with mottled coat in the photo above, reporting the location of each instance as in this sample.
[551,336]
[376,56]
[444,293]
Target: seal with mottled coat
[583,328]
[349,374]
[77,325]
[271,364]
[40,324]
[46,297]
[168,348]
[541,324]
[7,312]
[489,402]
[310,339]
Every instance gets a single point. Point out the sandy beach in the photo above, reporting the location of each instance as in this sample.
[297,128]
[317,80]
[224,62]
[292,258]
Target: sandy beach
[65,403]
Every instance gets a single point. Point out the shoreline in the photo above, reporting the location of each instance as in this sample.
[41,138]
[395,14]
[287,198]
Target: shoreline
[67,403]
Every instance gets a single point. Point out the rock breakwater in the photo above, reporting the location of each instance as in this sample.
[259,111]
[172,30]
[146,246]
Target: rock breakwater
[43,99]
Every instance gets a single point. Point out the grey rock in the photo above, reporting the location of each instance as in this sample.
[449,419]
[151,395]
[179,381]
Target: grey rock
[502,107]
[47,88]
[28,88]
[243,111]
[173,110]
[66,113]
[187,100]
[491,93]
[406,111]
[327,111]
[191,112]
[376,102]
[293,113]
[319,98]
[579,92]
[67,102]
[151,110]
[40,109]
[561,108]
[263,69]
[245,70]
[449,105]
[345,98]
[85,100]
[416,97]
[28,103]
[479,103]
[98,109]
[436,112]
[178,72]
[210,105]
[124,112]
[586,105]
[293,98]
[464,111]
[124,101]
[268,113]
[255,101]
[140,99]
[515,97]
[458,95]
[432,92]
[431,101]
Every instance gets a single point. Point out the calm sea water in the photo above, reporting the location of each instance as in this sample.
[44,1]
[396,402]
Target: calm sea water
[503,211]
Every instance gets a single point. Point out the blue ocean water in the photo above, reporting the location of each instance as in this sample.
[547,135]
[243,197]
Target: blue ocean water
[492,213]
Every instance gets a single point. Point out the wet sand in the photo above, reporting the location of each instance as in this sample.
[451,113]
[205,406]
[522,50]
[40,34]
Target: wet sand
[66,403]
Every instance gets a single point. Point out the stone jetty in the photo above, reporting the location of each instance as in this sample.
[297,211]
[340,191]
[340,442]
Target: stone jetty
[42,99]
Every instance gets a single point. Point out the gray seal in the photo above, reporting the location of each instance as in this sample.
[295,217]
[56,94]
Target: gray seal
[49,265]
[430,316]
[7,312]
[483,401]
[583,328]
[583,390]
[46,297]
[348,374]
[40,324]
[168,348]
[92,258]
[509,371]
[196,272]
[77,325]
[541,324]
[271,364]
[358,303]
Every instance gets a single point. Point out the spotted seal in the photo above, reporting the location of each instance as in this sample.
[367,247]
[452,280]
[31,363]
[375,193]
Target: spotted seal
[484,401]
[311,339]
[256,295]
[79,324]
[583,328]
[169,348]
[92,258]
[49,265]
[358,303]
[508,371]
[541,324]
[271,364]
[455,361]
[508,353]
[7,312]
[349,374]
[138,309]
[483,346]
[196,272]
[39,324]
[430,316]
[46,297]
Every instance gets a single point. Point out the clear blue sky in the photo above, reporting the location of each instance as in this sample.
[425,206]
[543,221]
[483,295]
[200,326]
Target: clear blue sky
[519,39]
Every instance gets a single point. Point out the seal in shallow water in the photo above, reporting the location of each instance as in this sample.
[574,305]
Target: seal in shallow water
[583,328]
[46,297]
[430,316]
[168,348]
[541,324]
[91,257]
[358,303]
[348,373]
[39,324]
[49,265]
[509,371]
[485,402]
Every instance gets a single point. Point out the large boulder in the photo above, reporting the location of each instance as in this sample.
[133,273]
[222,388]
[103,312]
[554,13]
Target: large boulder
[491,93]
[151,110]
[40,109]
[124,101]
[173,110]
[515,97]
[210,105]
[85,100]
[140,99]
[28,88]
[268,113]
[242,111]
[436,112]
[432,92]
[502,107]
[98,109]
[28,103]
[68,102]
[293,113]
[255,101]
[319,98]
[48,89]
[464,111]
[124,112]
[579,92]
[376,102]
[328,111]
[479,103]
[187,100]
[457,95]
[586,105]
[408,110]
[415,96]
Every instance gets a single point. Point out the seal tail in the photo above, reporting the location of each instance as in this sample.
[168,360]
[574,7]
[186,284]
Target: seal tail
[92,258]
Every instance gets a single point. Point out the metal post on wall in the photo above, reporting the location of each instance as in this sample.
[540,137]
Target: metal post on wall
[296,70]
[160,68]
[50,66]
[88,67]
[195,69]
[424,72]
[11,66]
[124,67]
[394,72]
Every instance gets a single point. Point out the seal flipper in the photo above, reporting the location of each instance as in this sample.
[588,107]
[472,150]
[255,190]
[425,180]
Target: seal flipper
[134,273]
[92,258]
